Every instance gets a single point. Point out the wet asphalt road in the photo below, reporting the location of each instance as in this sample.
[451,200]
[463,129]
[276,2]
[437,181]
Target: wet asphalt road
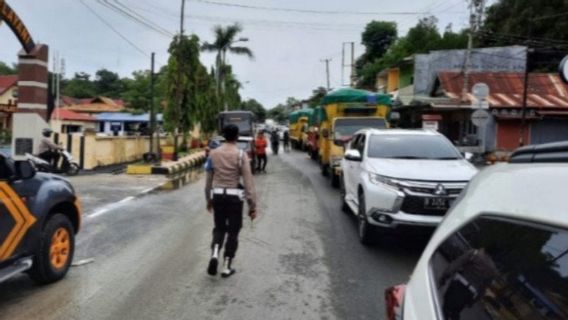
[300,260]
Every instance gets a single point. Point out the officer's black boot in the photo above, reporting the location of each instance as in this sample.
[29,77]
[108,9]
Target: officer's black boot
[214,262]
[227,268]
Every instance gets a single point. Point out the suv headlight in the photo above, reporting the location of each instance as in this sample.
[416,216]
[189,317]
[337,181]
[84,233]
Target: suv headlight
[382,180]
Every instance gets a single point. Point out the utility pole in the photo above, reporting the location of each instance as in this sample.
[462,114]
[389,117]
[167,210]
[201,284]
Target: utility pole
[350,65]
[476,8]
[327,71]
[525,98]
[353,73]
[152,110]
[182,19]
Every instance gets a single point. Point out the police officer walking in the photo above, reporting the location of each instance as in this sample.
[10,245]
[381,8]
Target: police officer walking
[225,194]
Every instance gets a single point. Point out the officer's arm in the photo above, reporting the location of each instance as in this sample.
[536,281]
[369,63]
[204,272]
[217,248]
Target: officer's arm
[208,184]
[250,192]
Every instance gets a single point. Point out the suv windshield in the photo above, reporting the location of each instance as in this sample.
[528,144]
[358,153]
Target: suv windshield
[345,128]
[407,146]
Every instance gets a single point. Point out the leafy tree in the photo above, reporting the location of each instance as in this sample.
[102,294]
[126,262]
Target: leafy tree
[5,69]
[108,84]
[256,108]
[278,113]
[80,86]
[317,95]
[422,38]
[190,93]
[137,93]
[225,38]
[525,18]
[377,37]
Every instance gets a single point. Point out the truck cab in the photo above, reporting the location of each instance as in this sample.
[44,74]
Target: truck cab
[245,121]
[39,218]
[300,122]
[344,112]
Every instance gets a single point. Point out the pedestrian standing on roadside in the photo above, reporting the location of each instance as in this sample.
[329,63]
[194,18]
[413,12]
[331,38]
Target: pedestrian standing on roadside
[260,145]
[275,141]
[225,194]
[286,138]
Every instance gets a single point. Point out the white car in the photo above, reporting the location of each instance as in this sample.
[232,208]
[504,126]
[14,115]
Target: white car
[502,251]
[395,178]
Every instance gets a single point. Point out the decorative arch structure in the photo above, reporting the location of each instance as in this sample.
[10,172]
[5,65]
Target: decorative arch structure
[31,115]
[15,23]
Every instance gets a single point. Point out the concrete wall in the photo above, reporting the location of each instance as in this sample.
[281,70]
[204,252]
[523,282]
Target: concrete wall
[427,66]
[104,151]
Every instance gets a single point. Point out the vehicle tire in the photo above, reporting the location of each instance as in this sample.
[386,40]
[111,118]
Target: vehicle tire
[56,250]
[73,169]
[334,180]
[365,230]
[344,206]
[324,170]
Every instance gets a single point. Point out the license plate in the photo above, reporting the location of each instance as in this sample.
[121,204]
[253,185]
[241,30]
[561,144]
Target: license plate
[437,203]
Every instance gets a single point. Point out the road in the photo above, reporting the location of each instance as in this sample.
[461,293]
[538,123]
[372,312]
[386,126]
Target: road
[148,256]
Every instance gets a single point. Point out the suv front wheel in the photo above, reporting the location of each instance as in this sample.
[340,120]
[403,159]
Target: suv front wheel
[53,259]
[366,230]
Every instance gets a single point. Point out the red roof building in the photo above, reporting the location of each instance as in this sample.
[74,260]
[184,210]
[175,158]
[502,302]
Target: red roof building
[64,114]
[546,115]
[7,82]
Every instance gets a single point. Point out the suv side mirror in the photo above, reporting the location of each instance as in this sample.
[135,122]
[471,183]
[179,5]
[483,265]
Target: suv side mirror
[24,170]
[353,155]
[468,156]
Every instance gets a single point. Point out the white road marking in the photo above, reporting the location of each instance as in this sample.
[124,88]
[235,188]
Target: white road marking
[126,199]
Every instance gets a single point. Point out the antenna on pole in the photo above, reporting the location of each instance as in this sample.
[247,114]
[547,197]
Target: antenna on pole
[326,61]
[350,64]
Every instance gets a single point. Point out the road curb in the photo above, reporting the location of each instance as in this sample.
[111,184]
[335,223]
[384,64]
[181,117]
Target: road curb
[169,168]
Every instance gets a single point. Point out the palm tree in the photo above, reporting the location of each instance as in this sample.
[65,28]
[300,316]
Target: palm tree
[225,38]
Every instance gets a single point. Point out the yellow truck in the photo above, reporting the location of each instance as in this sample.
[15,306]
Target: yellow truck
[344,112]
[298,127]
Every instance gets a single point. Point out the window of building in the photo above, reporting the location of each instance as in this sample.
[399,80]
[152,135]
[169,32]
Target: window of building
[502,269]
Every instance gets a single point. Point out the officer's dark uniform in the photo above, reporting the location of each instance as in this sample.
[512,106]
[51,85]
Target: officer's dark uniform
[224,189]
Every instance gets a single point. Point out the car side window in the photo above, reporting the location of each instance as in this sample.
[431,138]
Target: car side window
[6,168]
[353,143]
[502,269]
[361,145]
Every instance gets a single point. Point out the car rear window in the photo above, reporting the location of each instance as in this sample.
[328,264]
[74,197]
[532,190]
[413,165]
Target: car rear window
[502,269]
[411,146]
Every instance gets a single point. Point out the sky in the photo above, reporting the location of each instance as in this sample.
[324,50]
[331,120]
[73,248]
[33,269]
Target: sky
[289,38]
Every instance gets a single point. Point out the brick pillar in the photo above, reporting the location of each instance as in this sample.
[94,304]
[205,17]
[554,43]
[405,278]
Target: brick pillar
[31,115]
[32,81]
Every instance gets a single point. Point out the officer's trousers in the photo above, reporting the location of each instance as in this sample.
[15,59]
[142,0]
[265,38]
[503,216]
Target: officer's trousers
[228,216]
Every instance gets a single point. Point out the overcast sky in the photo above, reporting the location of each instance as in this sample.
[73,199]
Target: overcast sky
[288,45]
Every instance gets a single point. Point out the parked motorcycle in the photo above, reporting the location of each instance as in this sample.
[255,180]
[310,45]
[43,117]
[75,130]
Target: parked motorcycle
[65,165]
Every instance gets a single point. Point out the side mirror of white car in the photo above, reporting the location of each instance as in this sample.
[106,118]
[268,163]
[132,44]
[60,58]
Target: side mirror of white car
[468,156]
[353,155]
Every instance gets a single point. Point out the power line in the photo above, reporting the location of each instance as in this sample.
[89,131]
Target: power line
[327,12]
[134,16]
[114,29]
[264,23]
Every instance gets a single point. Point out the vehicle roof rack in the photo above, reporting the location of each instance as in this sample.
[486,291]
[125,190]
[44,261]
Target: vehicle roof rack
[542,153]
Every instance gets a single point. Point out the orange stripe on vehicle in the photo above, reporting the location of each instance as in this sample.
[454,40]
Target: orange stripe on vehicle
[21,215]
